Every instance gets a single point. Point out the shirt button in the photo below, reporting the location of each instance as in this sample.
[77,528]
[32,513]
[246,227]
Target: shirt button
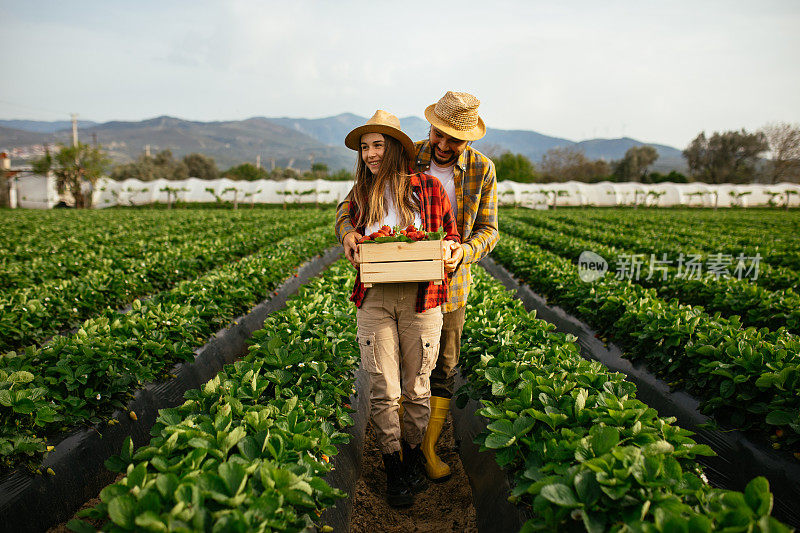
[367,343]
[427,345]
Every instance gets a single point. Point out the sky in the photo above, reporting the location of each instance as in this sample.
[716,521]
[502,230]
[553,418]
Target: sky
[660,72]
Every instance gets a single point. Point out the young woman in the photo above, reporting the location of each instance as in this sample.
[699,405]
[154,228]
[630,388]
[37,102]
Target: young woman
[399,324]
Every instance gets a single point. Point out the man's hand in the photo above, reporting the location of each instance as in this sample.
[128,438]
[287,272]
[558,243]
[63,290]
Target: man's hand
[456,255]
[350,243]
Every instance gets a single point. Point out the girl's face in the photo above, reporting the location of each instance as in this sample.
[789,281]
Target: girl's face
[372,146]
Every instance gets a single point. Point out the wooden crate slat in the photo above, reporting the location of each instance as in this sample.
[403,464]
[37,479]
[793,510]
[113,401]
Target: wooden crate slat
[402,271]
[400,251]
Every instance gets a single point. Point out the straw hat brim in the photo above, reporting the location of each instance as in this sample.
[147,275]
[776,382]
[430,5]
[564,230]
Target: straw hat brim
[469,135]
[353,139]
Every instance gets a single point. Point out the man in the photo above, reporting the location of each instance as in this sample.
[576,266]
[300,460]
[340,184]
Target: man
[469,179]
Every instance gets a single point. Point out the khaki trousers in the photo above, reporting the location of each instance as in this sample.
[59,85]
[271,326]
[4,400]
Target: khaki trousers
[449,350]
[398,349]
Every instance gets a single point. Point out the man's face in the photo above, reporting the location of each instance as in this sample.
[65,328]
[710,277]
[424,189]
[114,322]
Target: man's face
[444,148]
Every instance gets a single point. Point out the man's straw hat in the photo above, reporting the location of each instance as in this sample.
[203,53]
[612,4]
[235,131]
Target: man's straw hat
[385,123]
[456,114]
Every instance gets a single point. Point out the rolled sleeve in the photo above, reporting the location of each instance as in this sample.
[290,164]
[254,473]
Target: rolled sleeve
[343,222]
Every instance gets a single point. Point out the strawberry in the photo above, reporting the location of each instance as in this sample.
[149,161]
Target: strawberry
[411,228]
[386,229]
[374,235]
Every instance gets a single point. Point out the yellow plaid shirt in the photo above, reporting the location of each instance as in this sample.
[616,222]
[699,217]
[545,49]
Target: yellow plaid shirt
[476,214]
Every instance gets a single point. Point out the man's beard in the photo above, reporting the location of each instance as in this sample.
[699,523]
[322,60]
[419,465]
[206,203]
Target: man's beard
[441,163]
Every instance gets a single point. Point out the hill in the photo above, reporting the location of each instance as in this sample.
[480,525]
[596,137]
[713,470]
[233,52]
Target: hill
[39,126]
[229,143]
[287,140]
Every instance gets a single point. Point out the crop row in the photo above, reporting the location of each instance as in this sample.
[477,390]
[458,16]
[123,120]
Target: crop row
[746,377]
[33,314]
[249,450]
[776,245]
[755,305]
[81,378]
[584,453]
[54,248]
[748,228]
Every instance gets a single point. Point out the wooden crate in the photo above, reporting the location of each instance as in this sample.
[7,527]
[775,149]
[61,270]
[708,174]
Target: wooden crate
[398,262]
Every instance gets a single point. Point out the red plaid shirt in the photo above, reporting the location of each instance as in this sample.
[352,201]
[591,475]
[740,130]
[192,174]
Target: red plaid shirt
[435,213]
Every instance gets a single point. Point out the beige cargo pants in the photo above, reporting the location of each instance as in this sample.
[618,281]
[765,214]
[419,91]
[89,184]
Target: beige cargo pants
[399,348]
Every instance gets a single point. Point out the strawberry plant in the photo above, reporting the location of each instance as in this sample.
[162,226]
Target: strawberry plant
[756,305]
[30,315]
[82,378]
[248,451]
[746,378]
[583,452]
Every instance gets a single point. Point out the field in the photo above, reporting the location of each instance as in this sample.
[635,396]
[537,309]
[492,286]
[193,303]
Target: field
[100,310]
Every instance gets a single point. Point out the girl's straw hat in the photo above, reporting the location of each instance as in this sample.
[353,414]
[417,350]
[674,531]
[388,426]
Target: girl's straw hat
[456,114]
[385,123]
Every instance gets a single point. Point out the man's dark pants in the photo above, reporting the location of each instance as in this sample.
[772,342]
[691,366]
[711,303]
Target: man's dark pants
[449,349]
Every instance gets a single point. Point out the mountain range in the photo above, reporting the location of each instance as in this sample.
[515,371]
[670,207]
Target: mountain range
[283,141]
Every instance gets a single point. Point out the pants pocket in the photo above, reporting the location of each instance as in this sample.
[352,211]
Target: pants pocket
[429,343]
[366,344]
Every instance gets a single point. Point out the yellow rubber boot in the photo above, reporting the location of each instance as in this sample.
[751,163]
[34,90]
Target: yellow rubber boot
[436,469]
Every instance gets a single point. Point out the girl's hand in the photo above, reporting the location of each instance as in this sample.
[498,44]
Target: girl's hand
[350,243]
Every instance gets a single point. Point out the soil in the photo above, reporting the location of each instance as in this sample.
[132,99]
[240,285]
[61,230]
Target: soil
[441,507]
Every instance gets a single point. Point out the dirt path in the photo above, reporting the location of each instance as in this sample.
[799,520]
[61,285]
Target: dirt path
[442,507]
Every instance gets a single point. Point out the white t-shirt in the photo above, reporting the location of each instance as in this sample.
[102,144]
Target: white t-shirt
[392,217]
[446,176]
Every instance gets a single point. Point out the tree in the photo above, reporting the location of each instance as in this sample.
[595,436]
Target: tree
[280,174]
[784,143]
[515,167]
[200,166]
[319,171]
[161,166]
[673,177]
[633,167]
[341,175]
[727,157]
[246,172]
[567,163]
[74,167]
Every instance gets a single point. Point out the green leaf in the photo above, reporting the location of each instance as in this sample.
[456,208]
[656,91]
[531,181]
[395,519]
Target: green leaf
[498,440]
[20,377]
[726,389]
[560,495]
[234,476]
[603,439]
[700,524]
[151,522]
[166,485]
[781,418]
[24,406]
[501,426]
[758,496]
[587,487]
[122,511]
[658,447]
[79,526]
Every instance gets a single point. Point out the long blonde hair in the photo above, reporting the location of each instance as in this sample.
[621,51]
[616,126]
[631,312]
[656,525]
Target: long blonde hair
[367,193]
